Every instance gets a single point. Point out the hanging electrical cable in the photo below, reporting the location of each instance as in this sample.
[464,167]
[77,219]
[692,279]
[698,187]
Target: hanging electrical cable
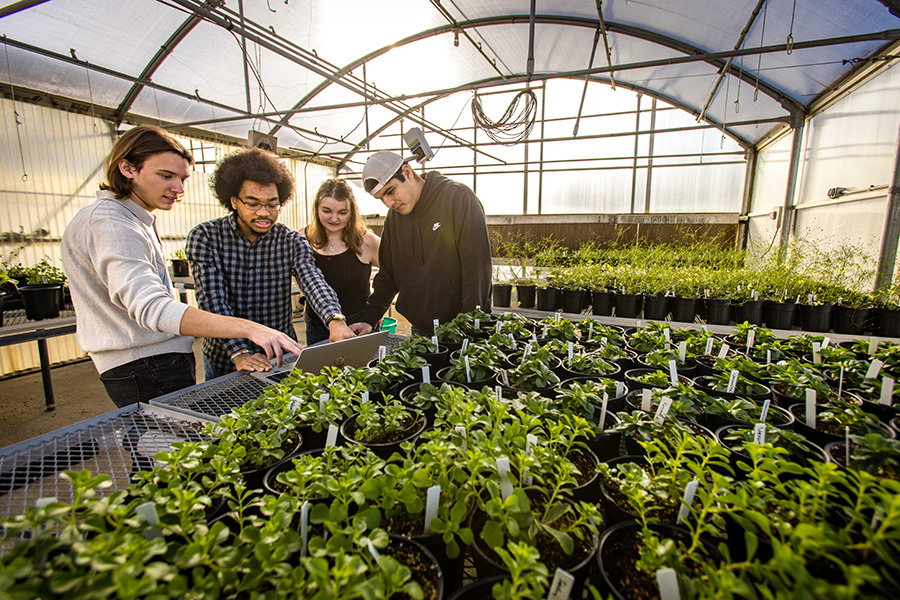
[516,123]
[762,39]
[19,124]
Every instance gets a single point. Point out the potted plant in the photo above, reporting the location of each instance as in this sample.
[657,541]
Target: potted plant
[43,295]
[181,267]
[383,425]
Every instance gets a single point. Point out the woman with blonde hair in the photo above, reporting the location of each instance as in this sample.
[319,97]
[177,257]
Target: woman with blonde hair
[345,250]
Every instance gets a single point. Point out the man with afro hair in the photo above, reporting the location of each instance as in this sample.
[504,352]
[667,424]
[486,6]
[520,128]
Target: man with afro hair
[243,263]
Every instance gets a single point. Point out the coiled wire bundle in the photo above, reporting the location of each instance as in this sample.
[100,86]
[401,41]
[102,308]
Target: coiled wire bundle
[516,123]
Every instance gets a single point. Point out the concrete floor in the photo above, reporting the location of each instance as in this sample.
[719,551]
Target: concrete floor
[78,393]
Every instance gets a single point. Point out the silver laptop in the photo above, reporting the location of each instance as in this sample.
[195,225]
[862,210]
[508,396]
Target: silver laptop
[353,352]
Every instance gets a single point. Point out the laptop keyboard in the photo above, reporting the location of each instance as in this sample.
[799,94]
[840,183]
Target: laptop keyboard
[278,377]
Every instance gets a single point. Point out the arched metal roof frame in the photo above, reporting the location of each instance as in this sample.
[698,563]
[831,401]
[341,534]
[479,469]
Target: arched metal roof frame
[217,14]
[795,109]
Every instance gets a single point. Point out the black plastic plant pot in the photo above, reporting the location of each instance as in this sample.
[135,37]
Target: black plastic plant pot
[820,437]
[750,311]
[813,451]
[566,373]
[851,321]
[588,490]
[501,295]
[684,310]
[384,449]
[779,315]
[572,301]
[437,360]
[615,512]
[488,564]
[601,303]
[815,317]
[628,305]
[408,397]
[705,383]
[614,404]
[547,299]
[181,268]
[777,417]
[253,477]
[718,311]
[442,375]
[888,322]
[634,384]
[525,295]
[656,308]
[419,559]
[41,301]
[270,481]
[620,550]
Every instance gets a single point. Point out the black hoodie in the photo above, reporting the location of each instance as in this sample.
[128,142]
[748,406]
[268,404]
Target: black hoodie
[436,259]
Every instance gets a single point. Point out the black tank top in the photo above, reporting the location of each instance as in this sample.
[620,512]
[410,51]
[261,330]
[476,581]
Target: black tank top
[348,277]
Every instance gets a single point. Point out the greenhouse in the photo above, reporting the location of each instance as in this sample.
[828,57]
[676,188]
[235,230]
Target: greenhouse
[450,299]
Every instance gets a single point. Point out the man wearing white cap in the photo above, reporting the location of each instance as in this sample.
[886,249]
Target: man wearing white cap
[435,253]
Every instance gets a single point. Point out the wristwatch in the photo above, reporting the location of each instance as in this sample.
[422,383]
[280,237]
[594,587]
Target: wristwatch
[335,317]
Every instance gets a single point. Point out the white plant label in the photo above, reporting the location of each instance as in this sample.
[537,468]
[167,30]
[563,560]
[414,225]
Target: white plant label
[304,526]
[732,381]
[323,400]
[498,393]
[620,389]
[506,486]
[689,491]
[468,370]
[673,371]
[723,351]
[512,340]
[561,586]
[817,353]
[603,405]
[603,342]
[709,347]
[874,369]
[847,446]
[591,330]
[759,433]
[662,410]
[426,374]
[682,352]
[544,331]
[667,334]
[811,408]
[841,382]
[465,345]
[527,350]
[571,352]
[294,403]
[437,347]
[751,338]
[504,378]
[477,324]
[382,352]
[148,511]
[331,436]
[755,295]
[534,338]
[768,357]
[825,341]
[873,346]
[557,317]
[530,443]
[667,580]
[765,410]
[365,397]
[887,390]
[373,551]
[436,323]
[461,430]
[432,502]
[645,400]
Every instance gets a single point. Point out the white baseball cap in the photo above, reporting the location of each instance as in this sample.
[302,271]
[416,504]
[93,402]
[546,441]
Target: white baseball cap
[380,168]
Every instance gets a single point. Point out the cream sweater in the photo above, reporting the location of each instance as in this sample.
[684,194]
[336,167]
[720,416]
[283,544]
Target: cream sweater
[125,303]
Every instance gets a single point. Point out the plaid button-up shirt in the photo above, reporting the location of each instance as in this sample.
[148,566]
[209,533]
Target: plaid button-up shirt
[252,280]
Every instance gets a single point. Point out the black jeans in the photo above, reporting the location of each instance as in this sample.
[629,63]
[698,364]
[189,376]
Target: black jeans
[147,378]
[316,331]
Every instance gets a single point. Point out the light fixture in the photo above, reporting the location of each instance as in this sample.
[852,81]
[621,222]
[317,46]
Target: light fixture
[456,38]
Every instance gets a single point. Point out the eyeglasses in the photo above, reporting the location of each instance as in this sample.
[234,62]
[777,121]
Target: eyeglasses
[255,206]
